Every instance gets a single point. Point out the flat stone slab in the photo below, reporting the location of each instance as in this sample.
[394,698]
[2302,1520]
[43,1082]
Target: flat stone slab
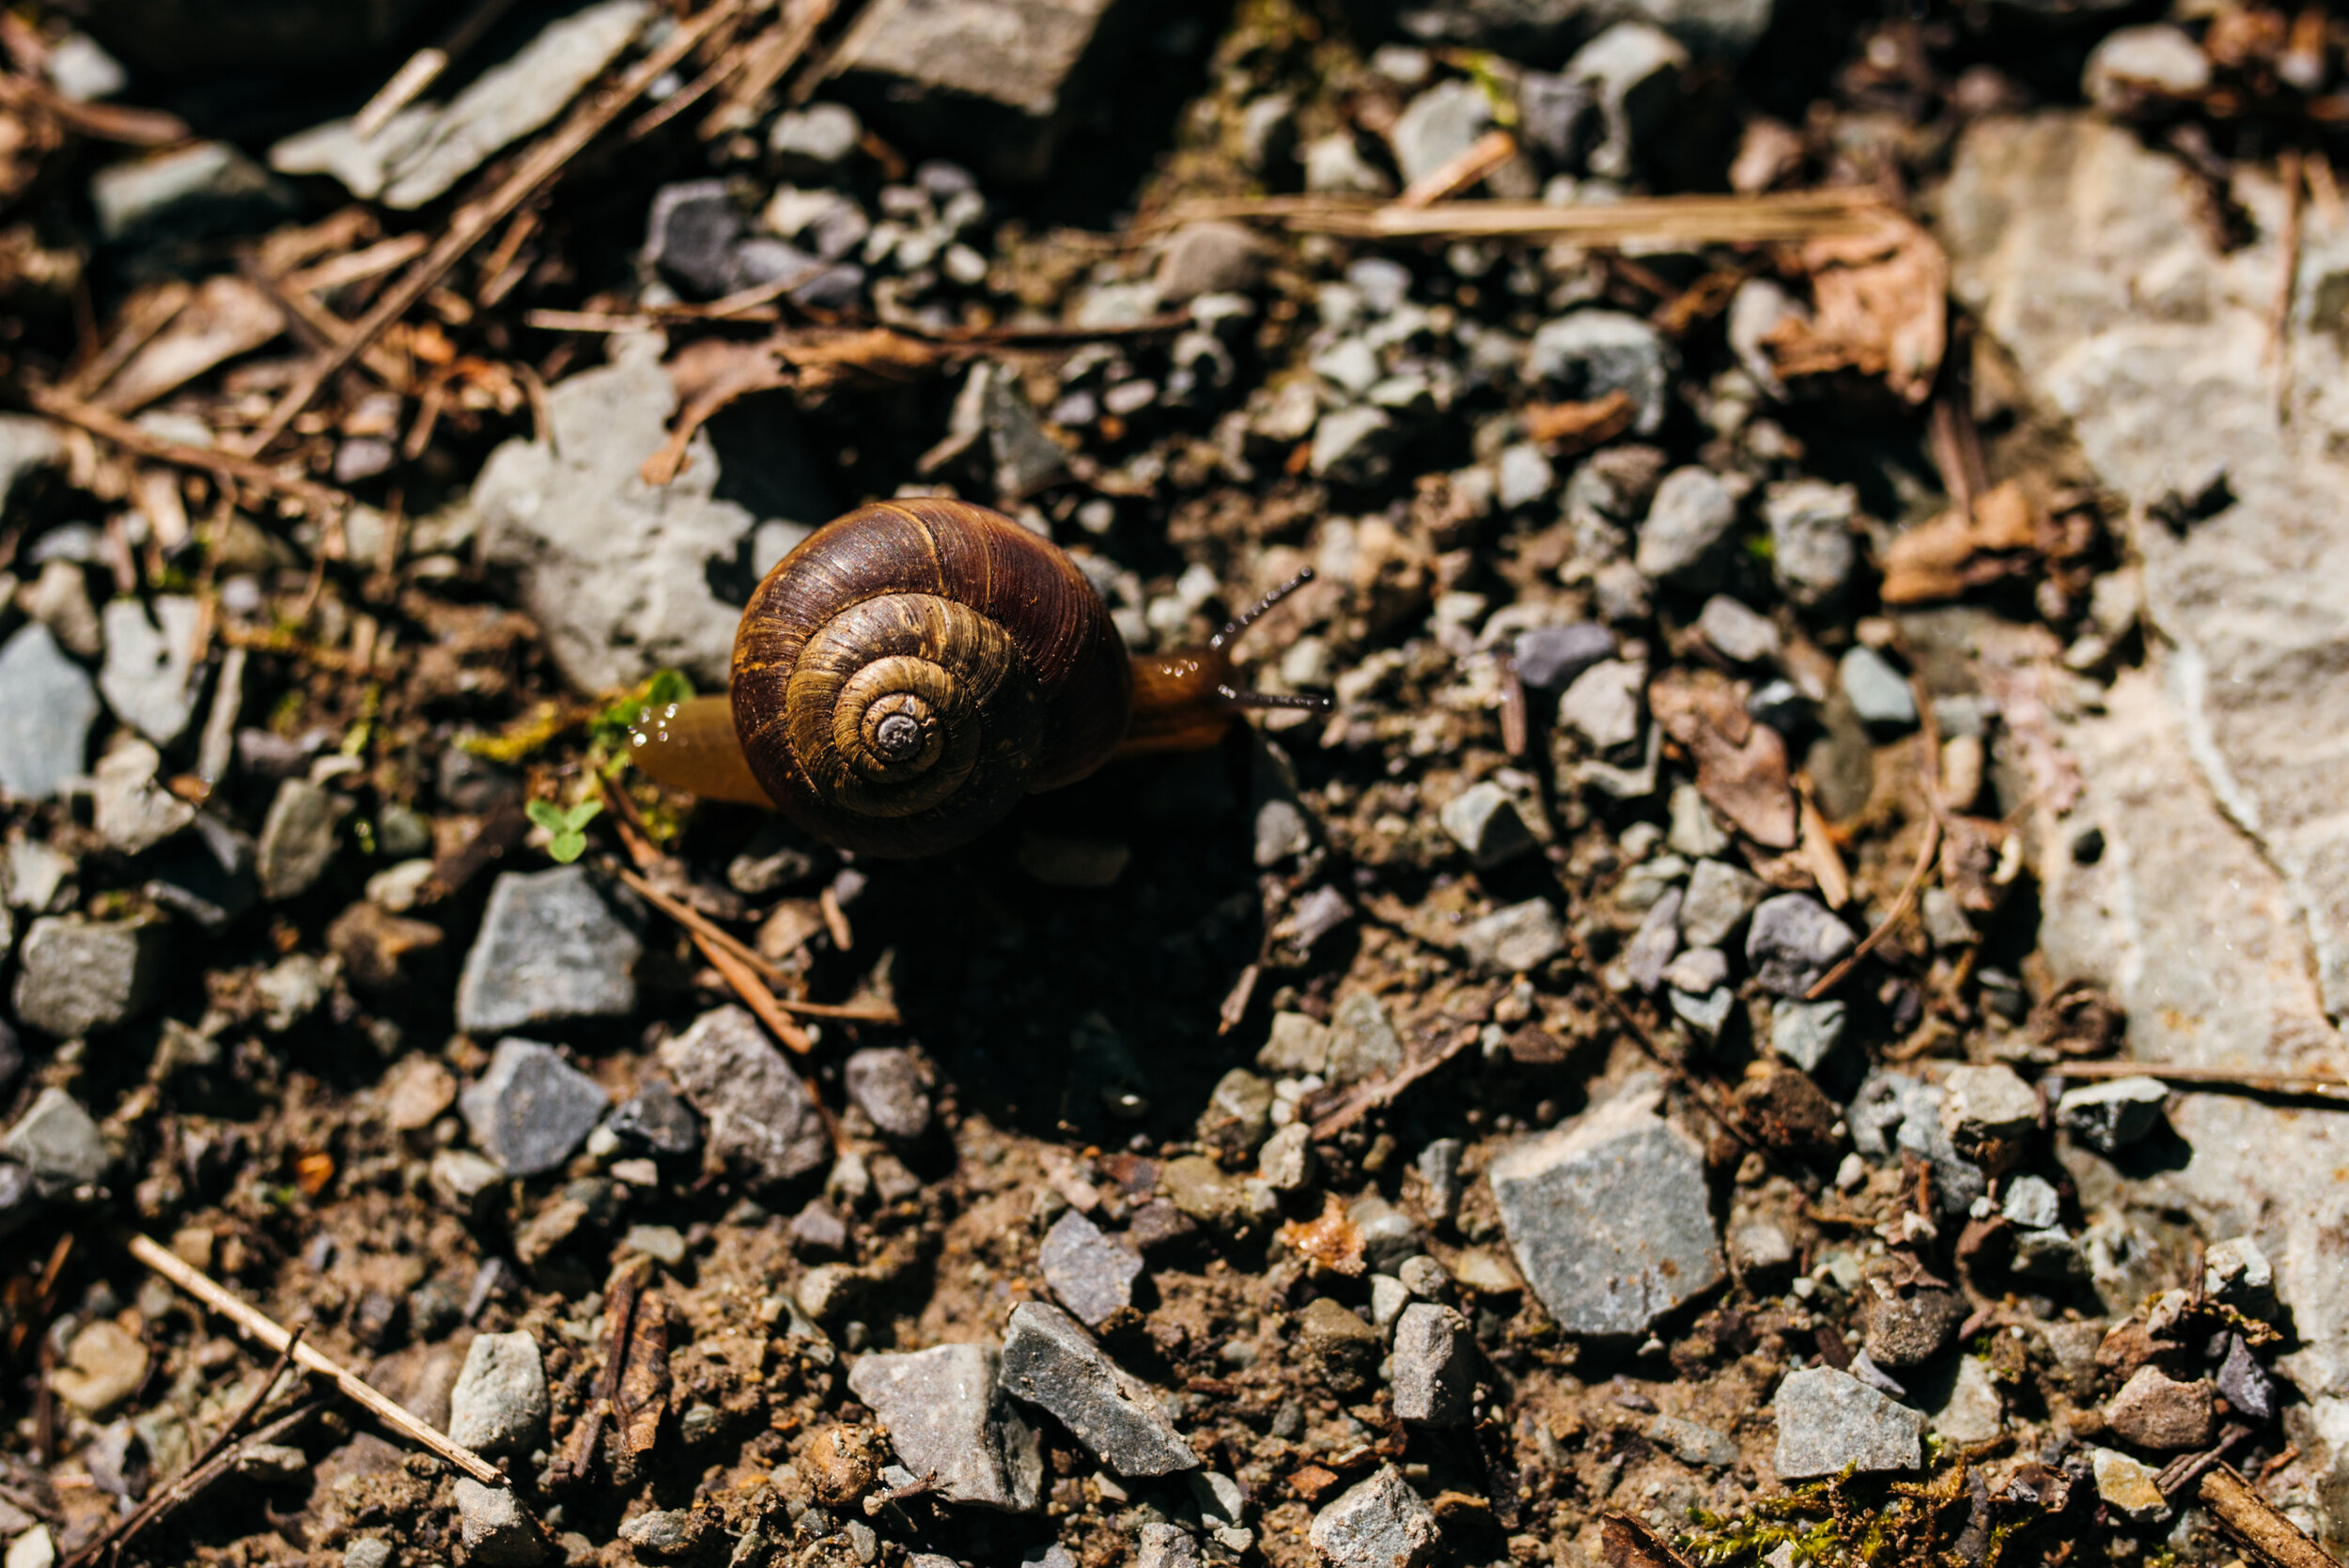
[1829,1419]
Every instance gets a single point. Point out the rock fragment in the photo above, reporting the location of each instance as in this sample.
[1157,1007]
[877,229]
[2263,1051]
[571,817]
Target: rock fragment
[1092,1276]
[1514,940]
[888,1085]
[1829,1419]
[1878,693]
[1483,820]
[145,678]
[1793,942]
[1609,1218]
[1811,551]
[1051,1362]
[499,1405]
[299,837]
[1435,1366]
[2111,1115]
[1807,1032]
[47,706]
[2124,1483]
[2153,1410]
[1686,522]
[1990,1114]
[532,1110]
[761,1124]
[550,948]
[496,1531]
[1378,1522]
[1584,355]
[75,976]
[57,1142]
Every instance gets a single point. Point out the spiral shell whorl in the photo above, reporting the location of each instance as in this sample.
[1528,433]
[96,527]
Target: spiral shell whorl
[909,670]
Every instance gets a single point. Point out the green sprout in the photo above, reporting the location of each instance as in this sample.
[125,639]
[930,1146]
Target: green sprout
[567,827]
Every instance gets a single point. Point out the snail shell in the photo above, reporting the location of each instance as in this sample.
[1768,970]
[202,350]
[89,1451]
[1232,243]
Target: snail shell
[911,669]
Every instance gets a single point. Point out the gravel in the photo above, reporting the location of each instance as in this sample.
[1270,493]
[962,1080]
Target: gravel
[947,1417]
[1050,1362]
[1604,705]
[1652,946]
[1092,1276]
[1878,693]
[1830,1420]
[532,1110]
[550,948]
[888,1084]
[1793,942]
[499,1405]
[1608,1216]
[1484,820]
[298,840]
[2153,1410]
[1719,898]
[1377,1523]
[1362,1043]
[1435,1366]
[1550,657]
[77,976]
[57,1142]
[1438,126]
[47,706]
[496,1530]
[1687,524]
[1586,354]
[1517,939]
[1811,550]
[1737,631]
[761,1126]
[150,659]
[2112,1115]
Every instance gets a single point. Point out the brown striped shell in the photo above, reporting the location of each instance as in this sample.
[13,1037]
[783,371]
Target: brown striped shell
[911,669]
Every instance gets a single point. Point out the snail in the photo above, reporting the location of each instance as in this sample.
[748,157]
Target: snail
[909,670]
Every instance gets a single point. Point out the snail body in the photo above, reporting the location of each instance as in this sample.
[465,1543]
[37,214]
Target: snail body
[909,670]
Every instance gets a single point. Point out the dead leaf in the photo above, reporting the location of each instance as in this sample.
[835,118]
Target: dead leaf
[1627,1543]
[227,316]
[1879,306]
[1567,428]
[1956,551]
[1331,1242]
[1741,766]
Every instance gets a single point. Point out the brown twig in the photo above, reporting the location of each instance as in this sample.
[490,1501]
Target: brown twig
[1929,739]
[621,1313]
[770,56]
[2253,1521]
[1695,219]
[1363,1098]
[425,67]
[2280,310]
[103,122]
[2187,1469]
[701,925]
[252,1321]
[323,500]
[1461,173]
[194,1482]
[2323,1086]
[472,221]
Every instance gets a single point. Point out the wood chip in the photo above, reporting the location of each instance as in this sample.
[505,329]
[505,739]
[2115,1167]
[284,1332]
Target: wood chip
[1963,548]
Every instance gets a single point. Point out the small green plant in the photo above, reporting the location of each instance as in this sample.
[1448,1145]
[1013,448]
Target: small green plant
[566,827]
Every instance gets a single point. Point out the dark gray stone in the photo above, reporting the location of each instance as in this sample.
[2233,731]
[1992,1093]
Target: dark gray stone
[1092,1276]
[550,948]
[1687,524]
[532,1110]
[75,975]
[499,1405]
[2244,1383]
[1793,942]
[1484,820]
[1554,116]
[762,1126]
[298,840]
[1583,356]
[58,1143]
[1633,71]
[887,1084]
[1439,1170]
[1051,1362]
[1435,1366]
[655,1118]
[1214,256]
[47,706]
[1891,1112]
[947,1418]
[2111,1116]
[1550,657]
[690,236]
[1608,1216]
[818,1229]
[1830,1420]
[1163,1546]
[1378,1522]
[1362,1041]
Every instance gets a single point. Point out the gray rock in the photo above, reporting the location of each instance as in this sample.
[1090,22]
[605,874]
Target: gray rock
[2244,1383]
[1050,1362]
[1891,1112]
[1698,970]
[1092,1276]
[1388,1235]
[1551,114]
[1212,256]
[193,191]
[1438,126]
[1162,1545]
[1238,1113]
[496,1530]
[1001,80]
[1793,942]
[1811,551]
[690,236]
[27,446]
[426,148]
[1633,71]
[532,1110]
[1706,1012]
[1522,475]
[58,1143]
[821,137]
[148,661]
[1378,1522]
[1435,1366]
[1280,831]
[2236,1273]
[1719,899]
[1353,445]
[1514,940]
[2111,1115]
[1906,1326]
[82,70]
[762,1125]
[75,976]
[618,573]
[1296,1043]
[1806,1033]
[2032,1202]
[1609,1218]
[1687,525]
[888,1085]
[1268,133]
[1549,657]
[368,1551]
[1756,311]
[1334,167]
[656,1118]
[298,840]
[47,706]
[1693,1443]
[1830,1420]
[499,1405]
[2137,67]
[1652,946]
[1362,1043]
[1970,1410]
[1761,1253]
[1589,353]
[1693,832]
[1879,693]
[1439,1172]
[550,948]
[1605,704]
[1740,632]
[1990,1114]
[1287,1162]
[1483,820]
[132,812]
